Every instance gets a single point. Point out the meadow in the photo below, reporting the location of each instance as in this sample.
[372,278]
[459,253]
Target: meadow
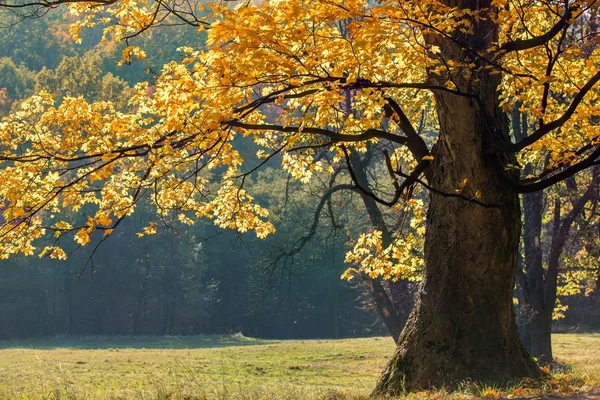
[236,367]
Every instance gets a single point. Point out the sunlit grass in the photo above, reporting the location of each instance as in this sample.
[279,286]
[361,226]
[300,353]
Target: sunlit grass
[235,367]
[582,351]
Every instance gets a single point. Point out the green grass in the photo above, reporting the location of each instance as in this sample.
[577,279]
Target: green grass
[232,367]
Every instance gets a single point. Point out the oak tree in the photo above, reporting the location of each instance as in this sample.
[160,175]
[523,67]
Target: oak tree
[315,83]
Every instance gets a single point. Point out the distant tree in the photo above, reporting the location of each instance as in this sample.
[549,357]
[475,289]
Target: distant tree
[541,277]
[16,82]
[83,76]
[473,60]
[5,102]
[35,43]
[302,265]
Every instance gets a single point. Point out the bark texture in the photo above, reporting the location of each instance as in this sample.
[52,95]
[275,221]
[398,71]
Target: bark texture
[531,277]
[532,232]
[463,325]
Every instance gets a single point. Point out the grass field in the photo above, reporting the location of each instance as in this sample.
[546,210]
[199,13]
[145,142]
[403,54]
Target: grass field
[233,367]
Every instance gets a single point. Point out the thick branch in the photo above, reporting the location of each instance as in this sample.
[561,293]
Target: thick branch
[415,142]
[525,44]
[589,161]
[333,136]
[557,123]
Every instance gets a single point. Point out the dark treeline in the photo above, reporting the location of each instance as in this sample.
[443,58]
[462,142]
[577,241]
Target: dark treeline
[189,280]
[196,291]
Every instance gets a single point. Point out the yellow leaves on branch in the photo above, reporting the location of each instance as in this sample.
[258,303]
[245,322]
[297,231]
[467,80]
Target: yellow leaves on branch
[121,18]
[301,166]
[545,89]
[233,209]
[130,52]
[151,229]
[53,252]
[89,155]
[401,259]
[82,237]
[297,78]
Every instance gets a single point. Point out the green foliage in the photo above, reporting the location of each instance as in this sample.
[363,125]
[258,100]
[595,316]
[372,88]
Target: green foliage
[83,75]
[197,279]
[158,285]
[36,43]
[16,82]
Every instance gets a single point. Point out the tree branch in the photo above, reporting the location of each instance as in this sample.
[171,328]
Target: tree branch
[415,142]
[334,136]
[589,161]
[557,123]
[525,44]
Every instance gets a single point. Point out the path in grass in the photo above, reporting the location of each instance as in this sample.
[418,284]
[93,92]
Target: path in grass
[220,367]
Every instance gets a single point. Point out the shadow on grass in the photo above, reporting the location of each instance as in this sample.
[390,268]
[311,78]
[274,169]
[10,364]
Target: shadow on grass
[134,342]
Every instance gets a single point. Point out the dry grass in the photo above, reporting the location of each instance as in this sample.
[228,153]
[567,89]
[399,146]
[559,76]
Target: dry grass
[233,368]
[582,351]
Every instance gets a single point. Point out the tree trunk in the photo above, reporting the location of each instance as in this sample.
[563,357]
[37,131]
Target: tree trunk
[530,270]
[384,302]
[541,332]
[463,325]
[533,279]
[536,332]
[526,335]
[402,295]
[385,309]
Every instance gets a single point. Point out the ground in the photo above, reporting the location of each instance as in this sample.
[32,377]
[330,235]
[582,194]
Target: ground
[236,367]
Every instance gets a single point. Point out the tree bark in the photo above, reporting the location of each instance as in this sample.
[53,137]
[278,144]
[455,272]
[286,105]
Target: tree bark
[385,309]
[541,332]
[533,279]
[463,325]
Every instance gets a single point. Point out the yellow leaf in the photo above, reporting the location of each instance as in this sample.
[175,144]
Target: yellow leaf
[82,237]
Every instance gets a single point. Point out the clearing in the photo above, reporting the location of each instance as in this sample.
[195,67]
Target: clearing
[236,367]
